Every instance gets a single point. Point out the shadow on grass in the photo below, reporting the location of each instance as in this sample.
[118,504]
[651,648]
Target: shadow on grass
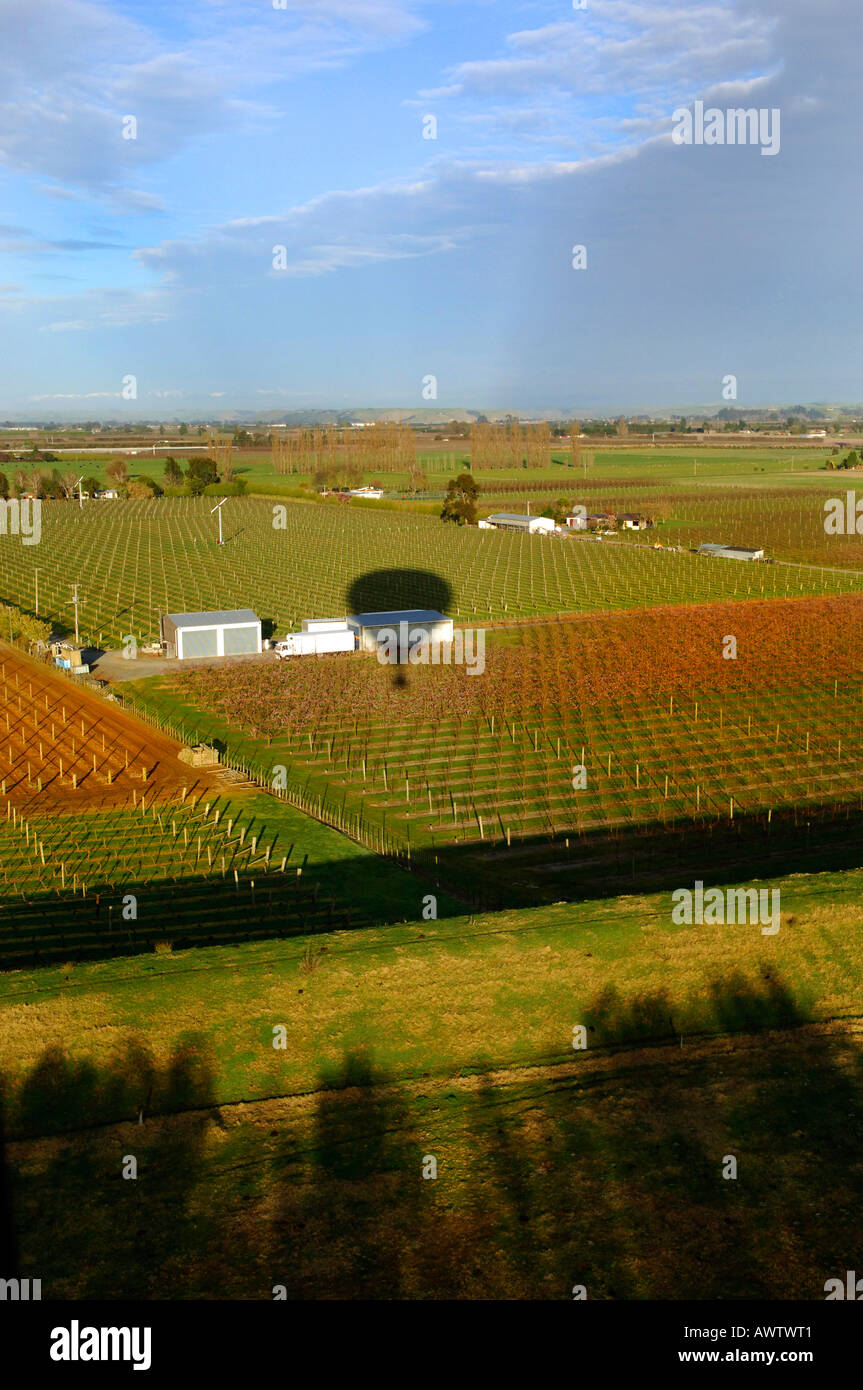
[603,1171]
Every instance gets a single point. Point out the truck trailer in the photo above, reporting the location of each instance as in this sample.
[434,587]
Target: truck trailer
[315,643]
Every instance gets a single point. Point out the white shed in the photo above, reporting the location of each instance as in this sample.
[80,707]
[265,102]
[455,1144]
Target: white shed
[518,521]
[231,632]
[409,625]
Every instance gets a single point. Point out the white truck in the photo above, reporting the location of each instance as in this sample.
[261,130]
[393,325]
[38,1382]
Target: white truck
[317,642]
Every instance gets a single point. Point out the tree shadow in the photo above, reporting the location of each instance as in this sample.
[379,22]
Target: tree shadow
[608,1168]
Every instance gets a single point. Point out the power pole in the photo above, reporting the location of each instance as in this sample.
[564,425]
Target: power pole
[37,593]
[75,602]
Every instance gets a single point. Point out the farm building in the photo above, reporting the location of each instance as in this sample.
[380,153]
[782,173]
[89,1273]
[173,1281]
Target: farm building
[732,552]
[234,632]
[324,624]
[633,521]
[374,492]
[601,521]
[516,521]
[417,622]
[576,522]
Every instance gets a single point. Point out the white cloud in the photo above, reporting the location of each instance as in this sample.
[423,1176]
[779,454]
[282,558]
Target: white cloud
[71,325]
[70,70]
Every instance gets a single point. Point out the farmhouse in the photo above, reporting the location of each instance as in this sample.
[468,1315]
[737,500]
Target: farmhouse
[516,521]
[367,491]
[108,494]
[633,521]
[732,552]
[418,623]
[234,632]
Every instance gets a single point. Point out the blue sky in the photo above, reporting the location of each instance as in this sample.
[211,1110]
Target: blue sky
[302,127]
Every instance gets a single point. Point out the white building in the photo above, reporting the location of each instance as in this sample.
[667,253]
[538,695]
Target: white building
[409,624]
[732,552]
[517,521]
[233,632]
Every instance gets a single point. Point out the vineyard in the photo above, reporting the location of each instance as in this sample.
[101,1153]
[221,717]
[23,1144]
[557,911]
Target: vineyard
[669,734]
[63,747]
[787,522]
[95,805]
[135,560]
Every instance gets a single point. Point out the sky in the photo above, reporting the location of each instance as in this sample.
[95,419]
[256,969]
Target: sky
[279,205]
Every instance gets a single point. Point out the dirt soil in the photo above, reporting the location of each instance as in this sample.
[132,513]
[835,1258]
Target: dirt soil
[87,754]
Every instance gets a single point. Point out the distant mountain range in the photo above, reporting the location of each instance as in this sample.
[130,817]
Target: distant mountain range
[442,415]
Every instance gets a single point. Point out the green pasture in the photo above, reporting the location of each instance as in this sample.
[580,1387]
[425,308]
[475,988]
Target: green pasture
[302,1166]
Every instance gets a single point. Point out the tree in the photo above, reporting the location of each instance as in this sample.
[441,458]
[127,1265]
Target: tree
[558,511]
[69,484]
[200,473]
[153,488]
[37,481]
[460,501]
[173,473]
[183,429]
[118,472]
[141,487]
[417,479]
[90,484]
[22,626]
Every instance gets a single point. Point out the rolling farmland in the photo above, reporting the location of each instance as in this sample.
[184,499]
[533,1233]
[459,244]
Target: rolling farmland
[135,560]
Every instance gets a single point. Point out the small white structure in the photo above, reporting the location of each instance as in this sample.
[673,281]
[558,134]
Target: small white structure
[633,521]
[231,632]
[409,624]
[517,521]
[732,552]
[324,624]
[107,494]
[576,522]
[374,492]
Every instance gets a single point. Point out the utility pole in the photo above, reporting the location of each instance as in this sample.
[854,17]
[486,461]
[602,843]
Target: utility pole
[75,602]
[80,492]
[37,593]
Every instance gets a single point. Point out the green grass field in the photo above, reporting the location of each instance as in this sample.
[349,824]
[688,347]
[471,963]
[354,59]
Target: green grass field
[302,1166]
